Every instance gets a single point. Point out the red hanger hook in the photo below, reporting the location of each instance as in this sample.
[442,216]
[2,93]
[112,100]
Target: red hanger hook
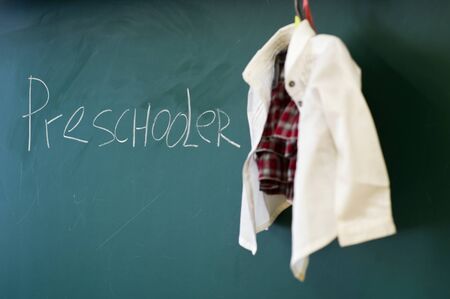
[307,12]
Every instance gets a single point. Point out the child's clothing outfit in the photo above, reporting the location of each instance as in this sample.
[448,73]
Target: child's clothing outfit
[324,159]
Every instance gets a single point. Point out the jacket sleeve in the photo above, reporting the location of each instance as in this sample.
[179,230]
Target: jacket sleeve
[362,191]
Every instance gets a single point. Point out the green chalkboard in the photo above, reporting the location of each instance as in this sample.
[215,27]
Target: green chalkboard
[123,130]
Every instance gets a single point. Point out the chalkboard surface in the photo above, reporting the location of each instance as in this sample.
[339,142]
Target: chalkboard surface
[123,131]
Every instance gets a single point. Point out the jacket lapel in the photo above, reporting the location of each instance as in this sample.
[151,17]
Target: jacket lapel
[259,71]
[297,44]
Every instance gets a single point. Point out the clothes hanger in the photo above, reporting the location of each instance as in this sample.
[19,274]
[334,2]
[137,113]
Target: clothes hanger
[304,13]
[298,14]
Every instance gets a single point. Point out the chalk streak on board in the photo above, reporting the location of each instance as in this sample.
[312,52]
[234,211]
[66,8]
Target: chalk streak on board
[20,180]
[113,235]
[25,215]
[32,205]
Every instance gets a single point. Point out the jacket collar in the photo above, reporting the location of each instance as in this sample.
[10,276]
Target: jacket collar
[260,67]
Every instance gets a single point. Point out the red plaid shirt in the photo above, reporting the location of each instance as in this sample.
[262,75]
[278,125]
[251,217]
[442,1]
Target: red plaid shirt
[276,154]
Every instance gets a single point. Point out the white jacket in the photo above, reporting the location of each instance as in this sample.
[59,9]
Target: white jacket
[341,186]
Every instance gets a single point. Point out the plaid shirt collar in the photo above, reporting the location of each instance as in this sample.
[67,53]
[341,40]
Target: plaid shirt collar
[260,68]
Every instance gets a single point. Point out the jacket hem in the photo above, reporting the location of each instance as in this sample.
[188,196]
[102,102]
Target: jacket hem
[300,272]
[252,246]
[247,245]
[273,216]
[355,233]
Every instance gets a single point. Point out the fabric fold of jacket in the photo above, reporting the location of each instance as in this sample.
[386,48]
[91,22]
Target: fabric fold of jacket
[341,185]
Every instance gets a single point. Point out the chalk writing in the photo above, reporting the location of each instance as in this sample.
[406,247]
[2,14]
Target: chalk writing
[162,118]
